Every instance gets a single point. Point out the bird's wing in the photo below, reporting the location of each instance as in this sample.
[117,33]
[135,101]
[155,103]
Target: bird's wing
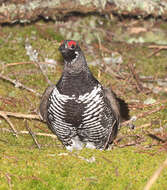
[119,106]
[113,102]
[44,102]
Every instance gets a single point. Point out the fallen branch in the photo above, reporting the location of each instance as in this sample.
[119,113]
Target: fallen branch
[144,125]
[141,106]
[144,114]
[8,177]
[22,63]
[155,137]
[3,115]
[158,48]
[19,85]
[27,133]
[20,115]
[46,77]
[125,145]
[155,176]
[136,77]
[33,135]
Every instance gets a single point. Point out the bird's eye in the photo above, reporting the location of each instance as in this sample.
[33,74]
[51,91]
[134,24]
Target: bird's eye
[72,46]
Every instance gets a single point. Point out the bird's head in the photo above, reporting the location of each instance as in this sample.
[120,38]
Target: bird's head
[74,59]
[70,50]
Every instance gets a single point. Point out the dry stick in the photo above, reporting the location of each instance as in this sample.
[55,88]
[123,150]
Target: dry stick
[144,125]
[154,52]
[20,115]
[18,63]
[144,114]
[158,48]
[125,145]
[9,180]
[46,77]
[155,176]
[22,63]
[9,122]
[27,132]
[140,105]
[136,77]
[33,135]
[3,141]
[19,85]
[36,63]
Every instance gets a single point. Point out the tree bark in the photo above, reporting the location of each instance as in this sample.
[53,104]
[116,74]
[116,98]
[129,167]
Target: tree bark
[25,11]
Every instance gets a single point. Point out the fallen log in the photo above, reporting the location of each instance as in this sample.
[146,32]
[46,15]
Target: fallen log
[25,11]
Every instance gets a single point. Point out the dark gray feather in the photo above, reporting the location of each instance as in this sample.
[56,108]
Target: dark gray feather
[113,102]
[44,102]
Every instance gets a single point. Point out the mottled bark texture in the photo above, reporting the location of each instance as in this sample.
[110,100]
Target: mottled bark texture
[23,11]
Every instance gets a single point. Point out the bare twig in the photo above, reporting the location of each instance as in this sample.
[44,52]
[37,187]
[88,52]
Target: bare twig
[46,77]
[19,85]
[19,115]
[154,53]
[3,141]
[106,159]
[158,48]
[155,176]
[155,137]
[3,115]
[9,180]
[33,135]
[144,114]
[144,125]
[22,63]
[27,132]
[128,144]
[136,77]
[140,105]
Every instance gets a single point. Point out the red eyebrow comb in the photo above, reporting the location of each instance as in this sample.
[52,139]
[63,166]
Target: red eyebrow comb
[70,43]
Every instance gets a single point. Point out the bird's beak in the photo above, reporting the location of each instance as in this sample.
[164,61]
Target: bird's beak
[62,48]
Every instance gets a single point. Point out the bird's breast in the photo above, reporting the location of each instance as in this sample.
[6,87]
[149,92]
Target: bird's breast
[77,109]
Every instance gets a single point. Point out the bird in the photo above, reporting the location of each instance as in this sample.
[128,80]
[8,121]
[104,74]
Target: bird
[78,109]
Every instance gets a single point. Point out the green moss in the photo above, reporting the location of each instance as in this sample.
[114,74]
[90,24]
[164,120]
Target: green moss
[44,169]
[53,35]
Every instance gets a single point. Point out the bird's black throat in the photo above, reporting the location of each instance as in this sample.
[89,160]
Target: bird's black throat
[70,57]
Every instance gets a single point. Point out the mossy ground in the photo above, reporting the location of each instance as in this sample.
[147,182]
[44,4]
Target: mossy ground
[23,166]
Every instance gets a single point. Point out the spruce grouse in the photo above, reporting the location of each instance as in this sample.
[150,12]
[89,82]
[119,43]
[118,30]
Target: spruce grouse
[78,109]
